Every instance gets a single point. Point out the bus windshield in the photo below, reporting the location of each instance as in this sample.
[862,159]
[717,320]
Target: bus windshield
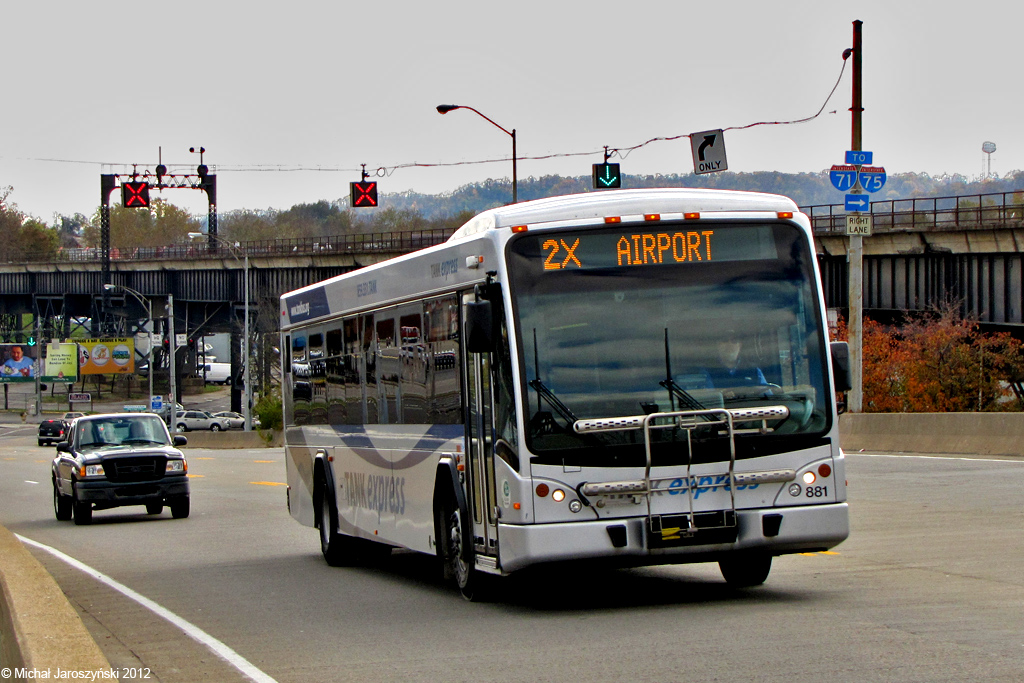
[657,318]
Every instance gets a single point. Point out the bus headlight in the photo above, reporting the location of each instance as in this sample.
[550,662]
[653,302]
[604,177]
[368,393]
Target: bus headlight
[558,495]
[808,478]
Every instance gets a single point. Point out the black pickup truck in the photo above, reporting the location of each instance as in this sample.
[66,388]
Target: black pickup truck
[116,460]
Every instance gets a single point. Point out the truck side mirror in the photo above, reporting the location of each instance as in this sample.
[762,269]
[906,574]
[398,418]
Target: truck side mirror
[841,377]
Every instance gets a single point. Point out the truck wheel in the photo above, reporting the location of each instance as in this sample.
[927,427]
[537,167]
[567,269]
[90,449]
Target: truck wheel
[746,570]
[179,507]
[61,505]
[81,510]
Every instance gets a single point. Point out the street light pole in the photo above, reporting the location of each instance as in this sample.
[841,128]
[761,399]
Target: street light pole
[147,303]
[247,388]
[445,108]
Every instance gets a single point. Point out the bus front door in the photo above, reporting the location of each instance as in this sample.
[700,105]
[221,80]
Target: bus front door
[480,491]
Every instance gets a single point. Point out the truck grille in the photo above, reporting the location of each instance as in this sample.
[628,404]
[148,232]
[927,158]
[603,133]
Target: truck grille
[135,469]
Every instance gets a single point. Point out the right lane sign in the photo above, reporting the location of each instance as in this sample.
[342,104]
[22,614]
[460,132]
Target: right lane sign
[857,202]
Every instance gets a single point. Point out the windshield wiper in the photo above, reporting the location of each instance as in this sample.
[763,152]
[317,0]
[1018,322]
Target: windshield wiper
[676,392]
[553,401]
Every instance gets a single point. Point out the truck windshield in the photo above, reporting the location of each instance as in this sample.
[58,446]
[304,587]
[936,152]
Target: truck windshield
[630,321]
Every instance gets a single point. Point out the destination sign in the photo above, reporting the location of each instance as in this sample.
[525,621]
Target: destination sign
[670,245]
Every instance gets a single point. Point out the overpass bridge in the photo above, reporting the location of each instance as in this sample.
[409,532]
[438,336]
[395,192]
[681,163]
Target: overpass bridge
[923,253]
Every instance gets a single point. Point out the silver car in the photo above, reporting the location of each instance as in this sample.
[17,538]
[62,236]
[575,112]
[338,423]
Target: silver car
[188,420]
[236,420]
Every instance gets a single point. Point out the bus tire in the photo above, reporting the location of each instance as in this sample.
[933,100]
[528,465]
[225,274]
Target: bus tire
[746,570]
[336,547]
[458,557]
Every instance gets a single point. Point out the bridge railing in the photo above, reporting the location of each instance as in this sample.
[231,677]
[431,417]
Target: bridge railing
[363,243]
[930,214]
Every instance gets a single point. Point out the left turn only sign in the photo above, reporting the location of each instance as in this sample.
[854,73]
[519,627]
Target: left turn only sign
[708,151]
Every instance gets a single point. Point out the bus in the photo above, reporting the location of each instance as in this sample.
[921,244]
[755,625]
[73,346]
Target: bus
[636,377]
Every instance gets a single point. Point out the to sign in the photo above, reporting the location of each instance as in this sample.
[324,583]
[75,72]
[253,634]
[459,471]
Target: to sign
[857,224]
[843,177]
[708,151]
[872,178]
[858,158]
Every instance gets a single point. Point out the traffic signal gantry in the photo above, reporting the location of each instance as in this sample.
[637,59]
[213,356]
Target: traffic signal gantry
[363,193]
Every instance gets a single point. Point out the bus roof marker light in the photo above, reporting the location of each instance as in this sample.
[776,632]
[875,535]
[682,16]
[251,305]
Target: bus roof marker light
[520,228]
[785,214]
[652,216]
[613,219]
[692,216]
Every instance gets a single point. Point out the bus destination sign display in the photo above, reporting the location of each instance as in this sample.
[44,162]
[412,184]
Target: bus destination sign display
[672,246]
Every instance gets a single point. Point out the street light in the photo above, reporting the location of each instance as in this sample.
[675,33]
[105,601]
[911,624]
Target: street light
[247,407]
[148,305]
[445,108]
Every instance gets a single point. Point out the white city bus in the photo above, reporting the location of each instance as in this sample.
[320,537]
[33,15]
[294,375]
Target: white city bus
[640,377]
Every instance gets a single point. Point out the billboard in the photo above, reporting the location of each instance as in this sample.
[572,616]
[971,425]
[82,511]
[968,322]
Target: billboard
[106,356]
[17,363]
[61,363]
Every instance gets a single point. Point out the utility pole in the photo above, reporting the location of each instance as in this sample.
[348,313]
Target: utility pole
[172,408]
[855,253]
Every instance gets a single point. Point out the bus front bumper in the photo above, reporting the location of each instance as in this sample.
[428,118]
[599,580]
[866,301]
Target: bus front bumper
[776,531]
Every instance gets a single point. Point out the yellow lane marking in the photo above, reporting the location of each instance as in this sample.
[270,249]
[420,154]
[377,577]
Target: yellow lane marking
[268,483]
[196,476]
[264,461]
[204,458]
[822,552]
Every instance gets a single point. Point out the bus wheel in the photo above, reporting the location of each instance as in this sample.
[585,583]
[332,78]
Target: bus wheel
[458,558]
[336,548]
[746,570]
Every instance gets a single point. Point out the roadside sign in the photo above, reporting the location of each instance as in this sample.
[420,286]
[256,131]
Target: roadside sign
[708,150]
[857,202]
[858,224]
[872,178]
[156,403]
[135,408]
[78,398]
[858,158]
[180,339]
[843,177]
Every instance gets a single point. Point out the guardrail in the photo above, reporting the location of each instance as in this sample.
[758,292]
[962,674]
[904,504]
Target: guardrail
[362,243]
[931,214]
[963,212]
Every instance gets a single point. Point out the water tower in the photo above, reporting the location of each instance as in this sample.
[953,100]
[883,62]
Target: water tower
[988,148]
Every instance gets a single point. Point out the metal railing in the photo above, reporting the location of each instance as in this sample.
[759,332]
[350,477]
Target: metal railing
[362,243]
[929,214]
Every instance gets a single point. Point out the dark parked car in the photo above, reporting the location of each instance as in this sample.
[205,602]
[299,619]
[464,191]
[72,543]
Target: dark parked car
[52,431]
[116,460]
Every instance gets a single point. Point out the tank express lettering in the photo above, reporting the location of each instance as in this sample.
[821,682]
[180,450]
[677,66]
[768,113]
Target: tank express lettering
[382,493]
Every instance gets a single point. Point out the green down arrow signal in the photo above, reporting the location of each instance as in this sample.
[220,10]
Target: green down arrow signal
[607,175]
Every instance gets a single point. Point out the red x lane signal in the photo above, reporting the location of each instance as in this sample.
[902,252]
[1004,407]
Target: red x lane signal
[135,194]
[363,194]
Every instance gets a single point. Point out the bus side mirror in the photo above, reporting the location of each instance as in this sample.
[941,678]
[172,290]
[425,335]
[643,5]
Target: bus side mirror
[479,327]
[841,366]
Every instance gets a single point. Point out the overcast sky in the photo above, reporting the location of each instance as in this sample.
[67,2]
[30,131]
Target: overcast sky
[93,87]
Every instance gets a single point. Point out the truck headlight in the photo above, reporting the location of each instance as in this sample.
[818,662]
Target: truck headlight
[176,466]
[91,471]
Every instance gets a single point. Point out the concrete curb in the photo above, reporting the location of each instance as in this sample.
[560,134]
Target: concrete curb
[39,629]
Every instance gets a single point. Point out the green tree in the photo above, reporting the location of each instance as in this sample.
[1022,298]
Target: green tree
[23,238]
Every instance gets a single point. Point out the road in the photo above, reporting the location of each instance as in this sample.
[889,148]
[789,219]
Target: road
[930,587]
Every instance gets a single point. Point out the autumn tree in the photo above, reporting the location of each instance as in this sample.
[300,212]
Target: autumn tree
[23,238]
[938,362]
[161,224]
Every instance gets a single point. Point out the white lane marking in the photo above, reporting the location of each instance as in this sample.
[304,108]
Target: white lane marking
[935,457]
[29,481]
[194,632]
